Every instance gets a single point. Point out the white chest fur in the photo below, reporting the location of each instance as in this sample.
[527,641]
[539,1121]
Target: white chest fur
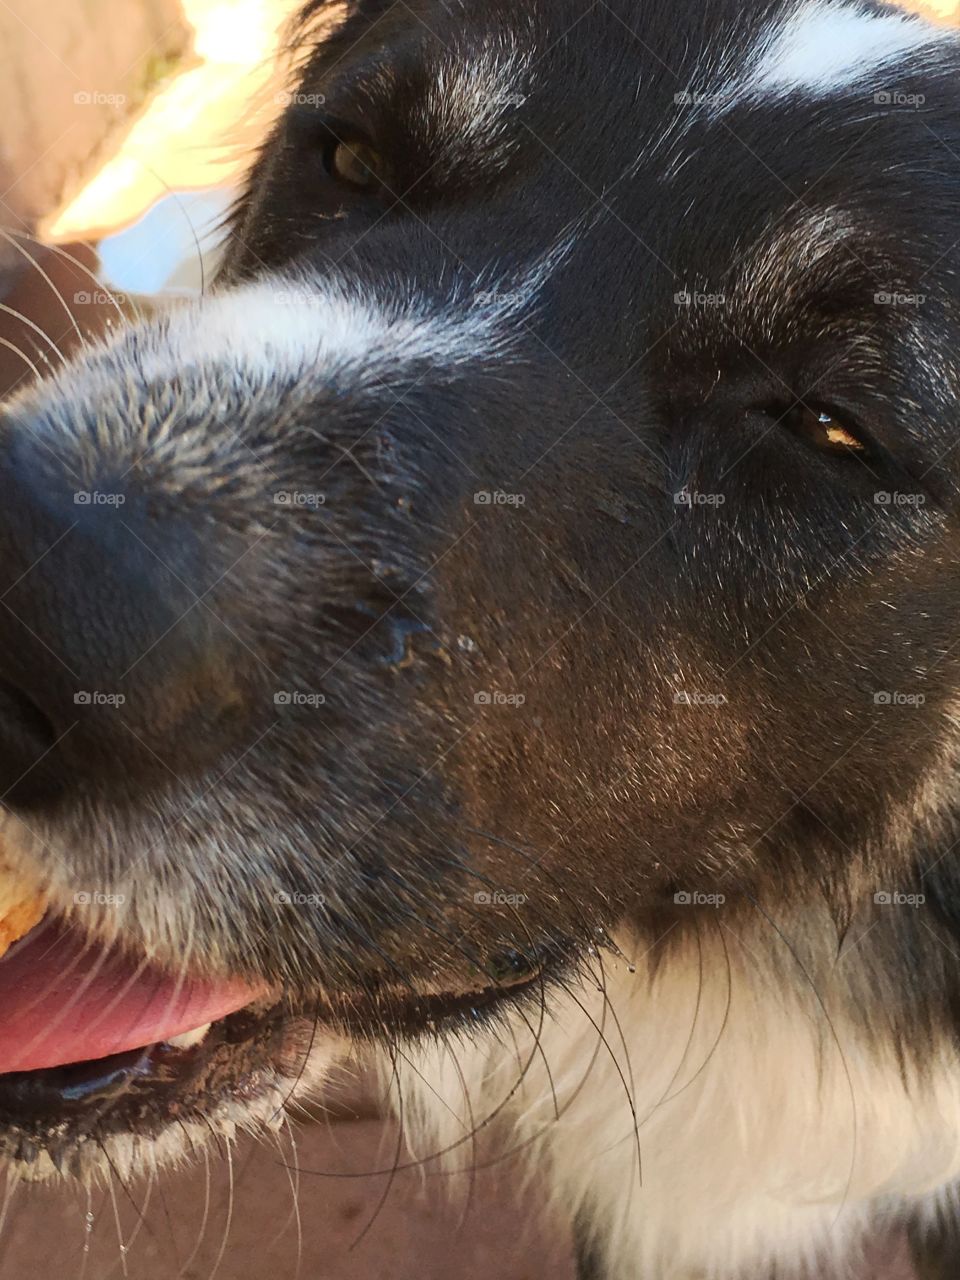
[770,1130]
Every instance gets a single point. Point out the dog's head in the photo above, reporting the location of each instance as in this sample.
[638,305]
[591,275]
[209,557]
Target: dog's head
[548,517]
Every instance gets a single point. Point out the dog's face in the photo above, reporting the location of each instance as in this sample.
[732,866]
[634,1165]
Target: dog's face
[551,510]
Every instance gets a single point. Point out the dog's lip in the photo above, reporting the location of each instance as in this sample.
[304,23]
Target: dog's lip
[66,999]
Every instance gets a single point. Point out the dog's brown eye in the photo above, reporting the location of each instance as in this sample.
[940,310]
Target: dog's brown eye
[356,164]
[823,429]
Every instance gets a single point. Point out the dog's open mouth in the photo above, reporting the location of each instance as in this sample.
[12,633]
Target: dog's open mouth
[65,1000]
[95,1043]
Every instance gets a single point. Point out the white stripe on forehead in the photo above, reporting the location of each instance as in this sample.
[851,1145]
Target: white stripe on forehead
[362,329]
[823,48]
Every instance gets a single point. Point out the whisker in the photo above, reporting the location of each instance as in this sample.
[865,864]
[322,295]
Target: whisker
[34,327]
[228,1222]
[395,1167]
[11,346]
[204,1216]
[94,279]
[182,207]
[116,1214]
[10,1183]
[40,271]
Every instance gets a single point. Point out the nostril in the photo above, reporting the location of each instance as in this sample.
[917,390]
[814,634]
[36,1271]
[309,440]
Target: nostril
[26,739]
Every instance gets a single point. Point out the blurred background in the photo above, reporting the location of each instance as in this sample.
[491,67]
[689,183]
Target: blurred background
[125,128]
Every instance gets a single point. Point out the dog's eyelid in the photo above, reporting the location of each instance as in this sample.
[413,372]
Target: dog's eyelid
[313,125]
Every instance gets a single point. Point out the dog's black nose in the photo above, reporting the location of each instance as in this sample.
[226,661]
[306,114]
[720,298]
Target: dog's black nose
[114,669]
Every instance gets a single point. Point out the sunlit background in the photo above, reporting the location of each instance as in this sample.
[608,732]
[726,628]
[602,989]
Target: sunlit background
[192,134]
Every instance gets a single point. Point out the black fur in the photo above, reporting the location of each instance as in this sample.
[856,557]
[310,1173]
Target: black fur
[736,636]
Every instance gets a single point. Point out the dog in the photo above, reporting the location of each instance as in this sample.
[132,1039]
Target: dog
[507,629]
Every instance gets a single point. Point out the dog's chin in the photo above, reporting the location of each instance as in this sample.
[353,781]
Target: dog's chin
[152,1104]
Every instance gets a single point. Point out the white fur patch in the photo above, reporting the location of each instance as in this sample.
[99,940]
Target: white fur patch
[285,327]
[471,96]
[277,326]
[710,1121]
[824,48]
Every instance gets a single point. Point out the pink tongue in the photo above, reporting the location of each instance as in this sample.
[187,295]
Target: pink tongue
[63,999]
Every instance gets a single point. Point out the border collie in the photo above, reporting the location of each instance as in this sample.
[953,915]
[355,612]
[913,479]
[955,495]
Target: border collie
[510,628]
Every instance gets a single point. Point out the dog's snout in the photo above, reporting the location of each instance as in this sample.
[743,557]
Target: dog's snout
[113,667]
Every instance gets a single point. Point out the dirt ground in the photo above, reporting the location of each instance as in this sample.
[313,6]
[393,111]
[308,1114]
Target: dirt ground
[352,1228]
